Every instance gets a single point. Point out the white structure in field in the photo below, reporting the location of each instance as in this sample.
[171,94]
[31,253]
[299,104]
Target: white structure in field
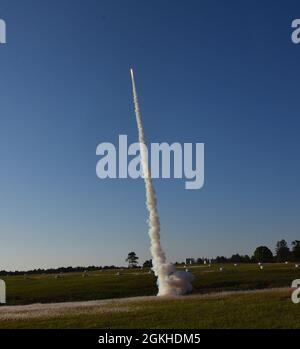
[190,261]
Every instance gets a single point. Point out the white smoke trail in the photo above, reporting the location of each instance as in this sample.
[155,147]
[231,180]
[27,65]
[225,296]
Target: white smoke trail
[170,281]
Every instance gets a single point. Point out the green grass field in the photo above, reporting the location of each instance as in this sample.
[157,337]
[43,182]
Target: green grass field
[271,309]
[267,309]
[138,282]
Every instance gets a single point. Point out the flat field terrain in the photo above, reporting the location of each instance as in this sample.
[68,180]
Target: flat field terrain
[237,297]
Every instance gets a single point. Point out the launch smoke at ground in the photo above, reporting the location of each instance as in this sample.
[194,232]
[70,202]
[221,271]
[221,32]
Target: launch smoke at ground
[170,281]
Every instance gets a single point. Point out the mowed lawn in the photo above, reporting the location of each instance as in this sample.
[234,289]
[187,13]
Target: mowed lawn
[242,309]
[138,282]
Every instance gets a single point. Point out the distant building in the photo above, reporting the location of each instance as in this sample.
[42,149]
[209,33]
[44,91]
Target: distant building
[189,261]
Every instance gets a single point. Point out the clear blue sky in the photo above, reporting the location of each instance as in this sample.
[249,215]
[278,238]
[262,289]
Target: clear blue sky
[222,73]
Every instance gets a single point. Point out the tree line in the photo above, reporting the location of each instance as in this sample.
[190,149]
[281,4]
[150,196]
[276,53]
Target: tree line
[60,270]
[262,254]
[283,253]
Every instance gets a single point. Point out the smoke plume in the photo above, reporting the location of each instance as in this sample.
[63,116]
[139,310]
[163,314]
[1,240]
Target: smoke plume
[169,280]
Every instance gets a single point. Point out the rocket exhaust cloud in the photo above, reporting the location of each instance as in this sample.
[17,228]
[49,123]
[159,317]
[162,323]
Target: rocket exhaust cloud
[170,281]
